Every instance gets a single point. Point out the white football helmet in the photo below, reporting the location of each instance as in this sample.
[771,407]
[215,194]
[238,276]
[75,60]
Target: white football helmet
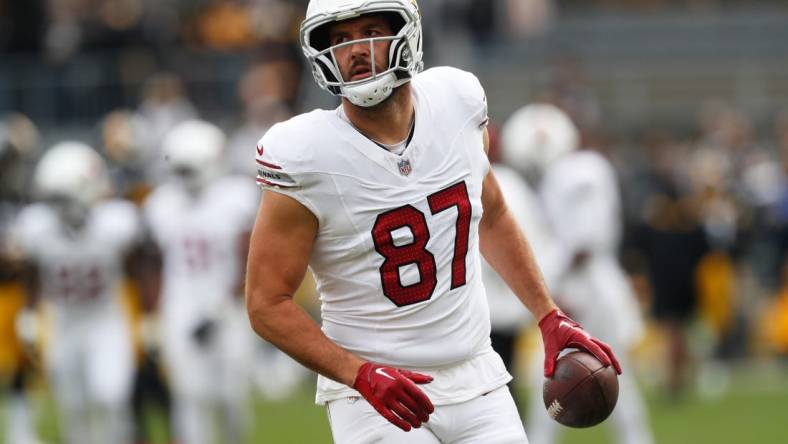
[535,136]
[72,177]
[405,53]
[193,151]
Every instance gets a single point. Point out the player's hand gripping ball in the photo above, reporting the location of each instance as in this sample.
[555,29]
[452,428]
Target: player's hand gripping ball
[582,391]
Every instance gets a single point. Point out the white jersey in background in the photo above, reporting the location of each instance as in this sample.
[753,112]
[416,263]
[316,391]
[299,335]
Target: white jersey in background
[199,237]
[88,351]
[506,311]
[79,270]
[396,257]
[583,205]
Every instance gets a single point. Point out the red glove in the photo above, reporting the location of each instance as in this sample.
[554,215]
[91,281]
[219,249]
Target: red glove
[392,392]
[559,331]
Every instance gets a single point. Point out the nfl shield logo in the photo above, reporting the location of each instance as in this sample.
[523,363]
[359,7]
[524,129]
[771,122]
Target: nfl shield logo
[404,167]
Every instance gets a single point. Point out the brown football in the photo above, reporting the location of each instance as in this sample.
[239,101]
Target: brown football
[582,391]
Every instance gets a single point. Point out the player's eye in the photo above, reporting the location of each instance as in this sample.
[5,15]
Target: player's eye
[336,40]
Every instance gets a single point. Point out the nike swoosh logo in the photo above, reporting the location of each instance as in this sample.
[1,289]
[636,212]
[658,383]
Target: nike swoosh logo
[259,150]
[382,372]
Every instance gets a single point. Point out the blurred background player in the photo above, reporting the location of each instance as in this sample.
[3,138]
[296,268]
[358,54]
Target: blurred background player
[508,317]
[201,220]
[19,146]
[580,199]
[76,243]
[131,152]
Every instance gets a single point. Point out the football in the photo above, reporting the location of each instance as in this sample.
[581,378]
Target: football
[582,391]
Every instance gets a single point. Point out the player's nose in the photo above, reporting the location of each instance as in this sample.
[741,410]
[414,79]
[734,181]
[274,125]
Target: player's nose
[360,48]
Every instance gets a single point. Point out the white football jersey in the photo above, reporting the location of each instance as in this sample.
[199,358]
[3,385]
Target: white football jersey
[79,270]
[583,204]
[507,313]
[396,257]
[579,186]
[199,238]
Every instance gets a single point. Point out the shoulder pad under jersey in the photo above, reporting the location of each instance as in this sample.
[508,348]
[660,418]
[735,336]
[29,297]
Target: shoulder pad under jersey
[462,88]
[284,153]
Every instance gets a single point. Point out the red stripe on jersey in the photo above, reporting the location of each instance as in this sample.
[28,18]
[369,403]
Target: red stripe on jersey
[268,165]
[265,182]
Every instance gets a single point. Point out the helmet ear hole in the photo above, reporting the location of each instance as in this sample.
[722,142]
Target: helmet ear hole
[318,38]
[327,74]
[395,20]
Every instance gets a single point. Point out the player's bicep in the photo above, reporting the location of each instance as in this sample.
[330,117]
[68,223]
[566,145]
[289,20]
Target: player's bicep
[279,250]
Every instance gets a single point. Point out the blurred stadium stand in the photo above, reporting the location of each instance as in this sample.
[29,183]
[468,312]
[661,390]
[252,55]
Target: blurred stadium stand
[653,69]
[651,65]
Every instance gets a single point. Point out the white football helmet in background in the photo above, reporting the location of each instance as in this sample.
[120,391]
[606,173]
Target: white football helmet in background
[535,136]
[193,151]
[405,53]
[72,177]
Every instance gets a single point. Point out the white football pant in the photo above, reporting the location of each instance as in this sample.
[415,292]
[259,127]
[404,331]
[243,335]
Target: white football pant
[211,378]
[492,418]
[90,369]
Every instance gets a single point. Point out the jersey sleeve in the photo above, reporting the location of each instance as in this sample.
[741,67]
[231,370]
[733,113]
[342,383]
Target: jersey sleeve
[473,94]
[283,163]
[119,224]
[242,198]
[28,233]
[470,92]
[155,214]
[459,91]
[466,94]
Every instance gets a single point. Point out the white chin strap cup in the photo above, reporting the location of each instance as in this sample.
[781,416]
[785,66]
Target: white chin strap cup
[370,93]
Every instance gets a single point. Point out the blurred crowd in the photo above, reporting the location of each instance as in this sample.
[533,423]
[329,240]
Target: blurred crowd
[704,215]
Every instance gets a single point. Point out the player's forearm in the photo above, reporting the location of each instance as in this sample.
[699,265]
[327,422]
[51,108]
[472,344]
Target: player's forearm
[288,327]
[507,251]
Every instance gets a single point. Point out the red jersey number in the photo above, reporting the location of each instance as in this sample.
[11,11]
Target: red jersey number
[415,252]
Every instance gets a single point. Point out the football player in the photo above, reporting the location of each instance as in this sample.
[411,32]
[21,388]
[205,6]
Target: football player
[77,241]
[388,199]
[508,317]
[201,220]
[19,146]
[579,195]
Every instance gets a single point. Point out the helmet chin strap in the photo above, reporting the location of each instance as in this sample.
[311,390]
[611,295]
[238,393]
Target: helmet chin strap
[370,93]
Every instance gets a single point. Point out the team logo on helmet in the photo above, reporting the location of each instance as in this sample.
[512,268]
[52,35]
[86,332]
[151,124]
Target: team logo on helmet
[404,167]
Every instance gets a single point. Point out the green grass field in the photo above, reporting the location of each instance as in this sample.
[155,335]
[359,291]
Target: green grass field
[750,413]
[754,410]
